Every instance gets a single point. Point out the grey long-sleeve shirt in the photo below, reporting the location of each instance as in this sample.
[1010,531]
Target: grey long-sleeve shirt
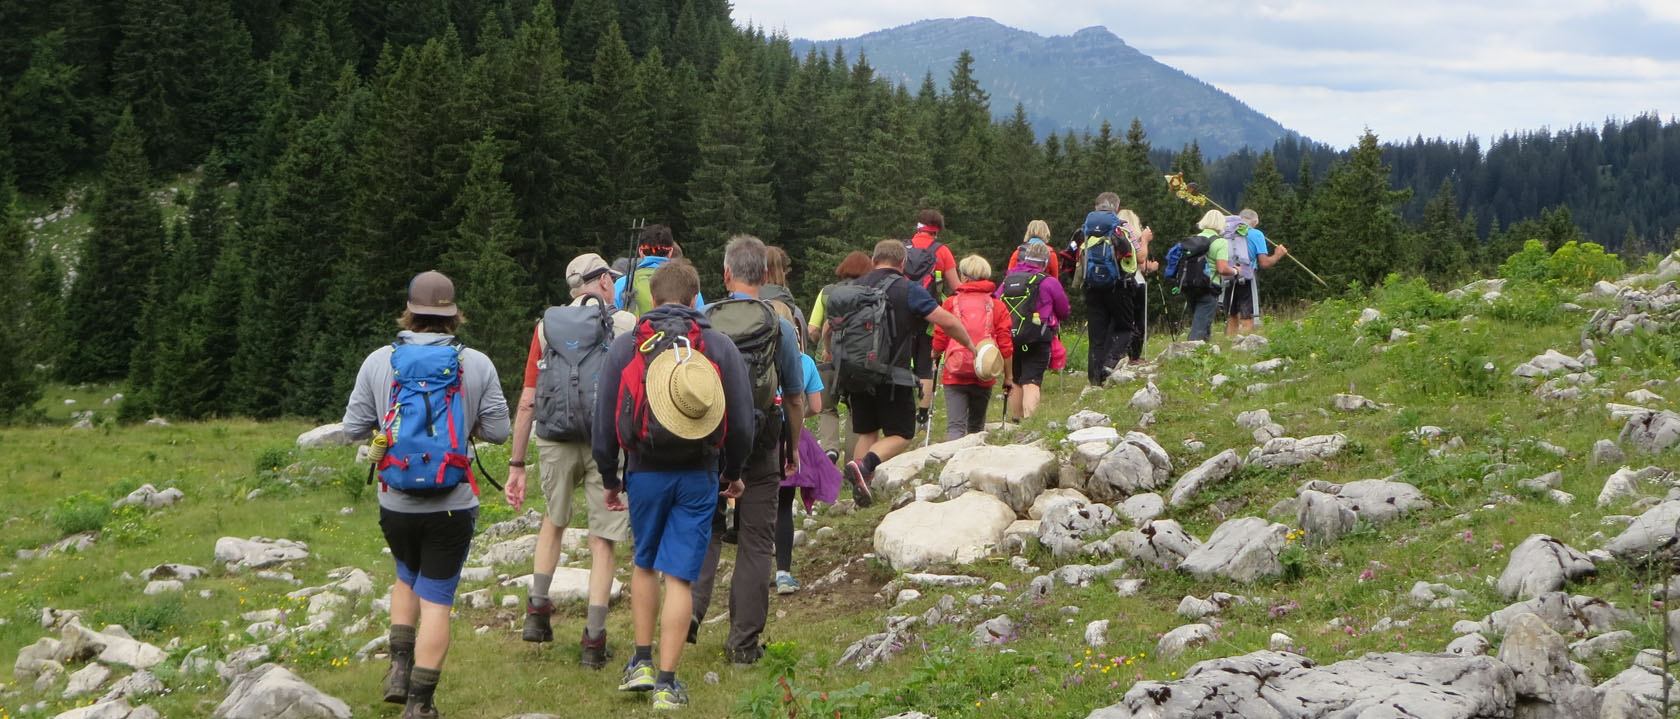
[737,397]
[481,393]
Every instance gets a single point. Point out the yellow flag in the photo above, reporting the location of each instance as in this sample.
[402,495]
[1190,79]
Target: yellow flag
[1185,190]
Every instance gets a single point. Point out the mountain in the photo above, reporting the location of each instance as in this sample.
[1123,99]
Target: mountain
[1066,81]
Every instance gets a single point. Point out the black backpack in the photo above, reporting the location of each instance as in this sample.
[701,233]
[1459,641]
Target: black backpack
[1192,265]
[919,263]
[862,339]
[575,340]
[1020,296]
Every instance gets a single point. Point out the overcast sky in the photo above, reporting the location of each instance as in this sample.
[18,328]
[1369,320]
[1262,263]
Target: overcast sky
[1330,68]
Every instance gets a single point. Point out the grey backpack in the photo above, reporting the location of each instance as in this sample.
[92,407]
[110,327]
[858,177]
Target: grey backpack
[575,340]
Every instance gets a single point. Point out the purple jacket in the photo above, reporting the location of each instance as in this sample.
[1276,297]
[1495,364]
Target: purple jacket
[1052,299]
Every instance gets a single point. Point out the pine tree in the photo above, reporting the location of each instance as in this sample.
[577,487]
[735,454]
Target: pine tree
[729,192]
[584,30]
[44,115]
[46,307]
[493,289]
[625,184]
[151,73]
[124,245]
[1353,231]
[20,384]
[1447,238]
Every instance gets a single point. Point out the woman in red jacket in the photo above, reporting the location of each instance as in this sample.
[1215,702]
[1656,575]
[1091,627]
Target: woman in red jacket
[987,321]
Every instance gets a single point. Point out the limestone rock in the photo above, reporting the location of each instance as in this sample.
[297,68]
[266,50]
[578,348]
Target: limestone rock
[149,497]
[1137,465]
[272,692]
[960,531]
[239,663]
[1652,432]
[1551,362]
[1323,517]
[1141,508]
[1380,501]
[1105,435]
[1352,403]
[139,684]
[1624,484]
[1161,543]
[1267,366]
[997,630]
[1096,633]
[258,552]
[1547,682]
[1254,419]
[163,586]
[183,572]
[1147,399]
[118,709]
[1541,564]
[32,659]
[1606,643]
[1015,474]
[326,435]
[1242,549]
[1649,537]
[1565,614]
[1067,525]
[1087,418]
[904,470]
[1249,343]
[517,551]
[1216,469]
[1291,452]
[87,680]
[1174,643]
[1052,497]
[570,584]
[1469,645]
[1605,451]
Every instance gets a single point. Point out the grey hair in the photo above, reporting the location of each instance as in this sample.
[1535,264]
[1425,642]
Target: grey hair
[746,259]
[1250,217]
[1108,201]
[1036,252]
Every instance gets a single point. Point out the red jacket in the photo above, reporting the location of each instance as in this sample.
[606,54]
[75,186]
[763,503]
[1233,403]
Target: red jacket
[970,305]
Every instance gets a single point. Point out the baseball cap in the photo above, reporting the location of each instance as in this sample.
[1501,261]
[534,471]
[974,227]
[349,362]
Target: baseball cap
[587,267]
[432,293]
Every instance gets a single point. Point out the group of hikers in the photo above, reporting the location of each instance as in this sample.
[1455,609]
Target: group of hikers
[684,420]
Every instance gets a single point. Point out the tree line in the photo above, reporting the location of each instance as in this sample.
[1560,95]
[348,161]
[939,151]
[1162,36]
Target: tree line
[340,147]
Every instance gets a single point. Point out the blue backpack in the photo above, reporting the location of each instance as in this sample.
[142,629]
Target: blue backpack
[426,431]
[1102,269]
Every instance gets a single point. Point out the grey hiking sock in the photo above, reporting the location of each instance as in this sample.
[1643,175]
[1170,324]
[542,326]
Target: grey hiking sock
[596,625]
[402,638]
[539,589]
[422,685]
[644,653]
[665,678]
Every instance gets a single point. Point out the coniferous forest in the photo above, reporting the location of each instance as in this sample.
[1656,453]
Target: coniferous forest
[340,146]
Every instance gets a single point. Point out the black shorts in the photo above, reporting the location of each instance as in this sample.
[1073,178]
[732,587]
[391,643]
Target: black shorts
[921,356]
[1031,362]
[429,549]
[1239,300]
[890,411]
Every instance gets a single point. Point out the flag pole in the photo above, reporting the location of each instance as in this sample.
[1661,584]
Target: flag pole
[1188,192]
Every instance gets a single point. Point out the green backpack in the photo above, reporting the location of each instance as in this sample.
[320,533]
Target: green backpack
[638,298]
[756,330]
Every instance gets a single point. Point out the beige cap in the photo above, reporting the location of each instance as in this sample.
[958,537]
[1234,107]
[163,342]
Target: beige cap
[587,267]
[432,293]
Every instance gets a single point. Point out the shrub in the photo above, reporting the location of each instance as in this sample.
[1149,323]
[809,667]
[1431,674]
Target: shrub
[1412,299]
[1573,265]
[1447,363]
[80,512]
[1528,302]
[130,527]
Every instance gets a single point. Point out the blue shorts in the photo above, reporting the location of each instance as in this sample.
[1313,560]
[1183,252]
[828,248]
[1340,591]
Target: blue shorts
[671,519]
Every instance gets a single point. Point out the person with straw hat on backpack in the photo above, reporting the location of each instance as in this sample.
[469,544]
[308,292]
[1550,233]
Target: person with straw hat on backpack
[969,375]
[675,396]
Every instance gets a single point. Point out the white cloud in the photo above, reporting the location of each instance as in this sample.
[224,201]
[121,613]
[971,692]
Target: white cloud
[1330,68]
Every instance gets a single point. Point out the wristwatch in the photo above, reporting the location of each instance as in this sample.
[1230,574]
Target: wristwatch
[516,463]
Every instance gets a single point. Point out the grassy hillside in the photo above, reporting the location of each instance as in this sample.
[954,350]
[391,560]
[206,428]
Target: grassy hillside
[1071,82]
[1334,602]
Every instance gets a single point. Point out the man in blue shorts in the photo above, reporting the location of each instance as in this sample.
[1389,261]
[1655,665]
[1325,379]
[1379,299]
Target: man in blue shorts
[676,397]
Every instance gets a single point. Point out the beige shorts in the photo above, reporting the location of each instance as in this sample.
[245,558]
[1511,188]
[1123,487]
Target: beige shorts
[559,466]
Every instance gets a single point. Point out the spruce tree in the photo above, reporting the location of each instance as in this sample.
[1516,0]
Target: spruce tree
[493,289]
[20,384]
[123,246]
[45,117]
[1353,229]
[583,31]
[1447,238]
[626,183]
[46,307]
[151,72]
[729,192]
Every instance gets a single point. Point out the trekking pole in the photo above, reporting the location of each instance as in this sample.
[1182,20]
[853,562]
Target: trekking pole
[1254,295]
[927,433]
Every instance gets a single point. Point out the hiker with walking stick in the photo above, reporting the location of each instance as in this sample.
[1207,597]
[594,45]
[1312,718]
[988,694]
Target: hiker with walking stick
[1254,241]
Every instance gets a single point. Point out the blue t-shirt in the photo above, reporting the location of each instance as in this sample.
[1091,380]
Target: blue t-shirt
[1256,244]
[813,381]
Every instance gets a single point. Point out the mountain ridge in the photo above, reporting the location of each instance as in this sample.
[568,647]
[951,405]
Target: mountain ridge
[1050,76]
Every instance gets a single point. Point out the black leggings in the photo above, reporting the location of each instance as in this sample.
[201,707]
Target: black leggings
[784,528]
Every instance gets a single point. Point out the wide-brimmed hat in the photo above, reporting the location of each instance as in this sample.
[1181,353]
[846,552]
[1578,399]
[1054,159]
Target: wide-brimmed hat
[432,293]
[685,392]
[988,361]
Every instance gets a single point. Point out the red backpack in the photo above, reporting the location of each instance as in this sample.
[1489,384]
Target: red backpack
[977,318]
[639,431]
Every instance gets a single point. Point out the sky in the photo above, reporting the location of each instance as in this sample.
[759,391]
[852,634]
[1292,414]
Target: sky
[1329,69]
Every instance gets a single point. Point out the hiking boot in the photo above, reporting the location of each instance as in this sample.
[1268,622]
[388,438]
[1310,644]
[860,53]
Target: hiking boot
[785,583]
[594,655]
[669,697]
[742,658]
[860,484]
[416,710]
[537,627]
[395,687]
[638,676]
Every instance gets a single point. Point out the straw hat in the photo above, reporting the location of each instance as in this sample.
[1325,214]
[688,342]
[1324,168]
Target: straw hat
[988,361]
[685,393]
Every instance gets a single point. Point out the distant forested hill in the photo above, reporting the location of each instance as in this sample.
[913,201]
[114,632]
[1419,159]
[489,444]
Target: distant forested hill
[1066,82]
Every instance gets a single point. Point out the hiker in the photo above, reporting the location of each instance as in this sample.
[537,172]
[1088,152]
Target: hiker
[676,398]
[428,496]
[873,336]
[1202,266]
[769,345]
[929,263]
[775,291]
[1037,231]
[1037,306]
[856,264]
[816,480]
[968,383]
[654,248]
[570,342]
[1249,248]
[1137,265]
[1108,301]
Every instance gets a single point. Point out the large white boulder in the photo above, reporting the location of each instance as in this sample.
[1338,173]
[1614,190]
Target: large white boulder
[1137,464]
[258,552]
[1243,549]
[1066,526]
[1547,683]
[273,692]
[906,469]
[1551,362]
[1053,497]
[1290,452]
[923,535]
[570,584]
[1649,537]
[326,435]
[1541,564]
[1160,543]
[1652,432]
[1016,474]
[1216,469]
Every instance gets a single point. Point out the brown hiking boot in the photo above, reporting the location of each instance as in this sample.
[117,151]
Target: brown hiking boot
[395,687]
[417,710]
[537,627]
[594,655]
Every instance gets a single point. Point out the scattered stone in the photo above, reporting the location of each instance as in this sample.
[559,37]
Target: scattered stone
[1084,575]
[518,551]
[1652,432]
[1605,451]
[1267,366]
[1290,452]
[1096,633]
[1104,435]
[139,684]
[1352,403]
[943,580]
[118,709]
[906,596]
[1280,642]
[1323,517]
[1067,525]
[960,531]
[1141,508]
[1367,316]
[477,574]
[87,680]
[1191,607]
[1087,418]
[1542,564]
[164,586]
[1649,537]
[1249,343]
[79,542]
[326,435]
[1254,419]
[1128,587]
[271,691]
[1542,483]
[1606,643]
[997,630]
[570,584]
[149,497]
[1643,396]
[1147,399]
[33,659]
[1052,497]
[1242,549]
[183,572]
[1161,543]
[1016,474]
[1216,469]
[1551,362]
[1137,465]
[1565,614]
[258,552]
[1174,643]
[1469,645]
[240,662]
[1624,484]
[1547,682]
[904,470]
